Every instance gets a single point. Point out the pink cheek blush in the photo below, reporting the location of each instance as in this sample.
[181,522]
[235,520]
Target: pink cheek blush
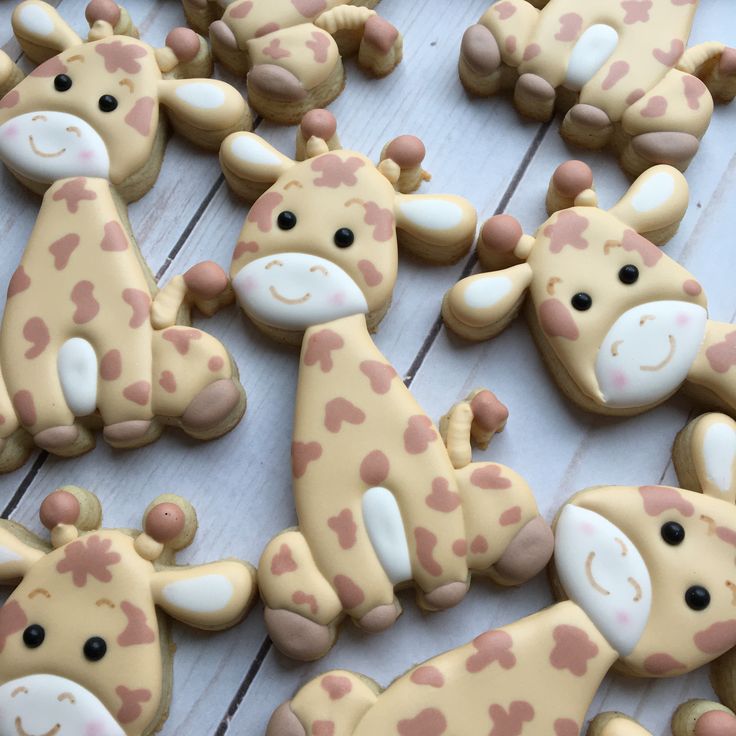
[250,284]
[86,155]
[682,320]
[95,728]
[587,528]
[11,131]
[338,298]
[619,379]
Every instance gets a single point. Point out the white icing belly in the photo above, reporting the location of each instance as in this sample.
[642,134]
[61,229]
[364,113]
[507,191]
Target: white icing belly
[589,54]
[385,529]
[77,366]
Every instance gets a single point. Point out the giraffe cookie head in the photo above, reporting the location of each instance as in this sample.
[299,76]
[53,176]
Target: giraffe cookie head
[321,242]
[93,108]
[80,644]
[622,320]
[654,567]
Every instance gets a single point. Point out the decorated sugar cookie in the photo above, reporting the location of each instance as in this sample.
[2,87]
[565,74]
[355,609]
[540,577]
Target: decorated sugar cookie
[381,499]
[292,50]
[82,648]
[87,339]
[645,578]
[620,325]
[694,718]
[621,70]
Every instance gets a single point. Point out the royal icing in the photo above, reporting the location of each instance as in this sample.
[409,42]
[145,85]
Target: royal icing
[621,70]
[288,49]
[378,498]
[103,674]
[77,335]
[624,325]
[644,575]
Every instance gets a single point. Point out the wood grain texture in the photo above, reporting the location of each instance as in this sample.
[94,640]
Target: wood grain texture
[230,682]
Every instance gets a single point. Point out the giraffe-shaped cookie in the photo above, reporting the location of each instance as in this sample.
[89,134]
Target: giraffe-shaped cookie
[87,339]
[381,501]
[694,718]
[620,325]
[292,50]
[645,579]
[82,649]
[620,69]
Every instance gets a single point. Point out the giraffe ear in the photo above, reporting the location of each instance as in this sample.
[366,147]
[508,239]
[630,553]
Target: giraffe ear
[479,307]
[435,227]
[251,165]
[41,31]
[212,596]
[19,551]
[705,456]
[205,111]
[655,204]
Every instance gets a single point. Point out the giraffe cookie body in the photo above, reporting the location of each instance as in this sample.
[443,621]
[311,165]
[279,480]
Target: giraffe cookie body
[380,501]
[643,576]
[83,649]
[621,71]
[621,326]
[292,51]
[87,339]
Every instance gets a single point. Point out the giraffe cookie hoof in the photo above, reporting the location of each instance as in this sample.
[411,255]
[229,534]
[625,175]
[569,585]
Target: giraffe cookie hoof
[446,596]
[479,50]
[67,441]
[275,82]
[676,149]
[134,432]
[221,34]
[716,723]
[535,97]
[284,723]
[379,618]
[528,553]
[296,636]
[213,407]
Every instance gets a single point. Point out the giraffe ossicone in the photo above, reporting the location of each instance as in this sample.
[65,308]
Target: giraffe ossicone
[384,498]
[80,642]
[87,339]
[644,578]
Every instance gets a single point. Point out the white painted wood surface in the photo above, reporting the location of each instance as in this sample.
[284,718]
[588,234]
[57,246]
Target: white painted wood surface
[230,682]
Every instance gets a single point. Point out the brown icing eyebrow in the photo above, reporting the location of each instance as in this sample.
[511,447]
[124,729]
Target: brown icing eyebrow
[39,591]
[732,587]
[19,690]
[551,284]
[105,602]
[609,244]
[294,183]
[127,83]
[76,57]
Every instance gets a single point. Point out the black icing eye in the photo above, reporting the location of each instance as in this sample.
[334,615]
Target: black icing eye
[286,220]
[673,533]
[697,597]
[628,274]
[33,636]
[107,103]
[344,237]
[95,649]
[62,82]
[581,301]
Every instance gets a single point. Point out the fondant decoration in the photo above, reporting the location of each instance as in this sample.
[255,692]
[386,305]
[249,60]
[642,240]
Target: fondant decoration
[381,500]
[644,575]
[621,72]
[87,340]
[292,50]
[621,326]
[81,648]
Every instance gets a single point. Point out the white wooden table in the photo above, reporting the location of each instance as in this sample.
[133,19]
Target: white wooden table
[230,682]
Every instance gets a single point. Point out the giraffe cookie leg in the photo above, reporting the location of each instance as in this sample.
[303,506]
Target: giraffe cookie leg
[332,704]
[195,382]
[703,718]
[506,537]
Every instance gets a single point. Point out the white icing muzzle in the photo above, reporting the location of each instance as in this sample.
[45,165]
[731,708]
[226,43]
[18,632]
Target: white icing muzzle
[46,704]
[602,571]
[648,352]
[297,290]
[46,146]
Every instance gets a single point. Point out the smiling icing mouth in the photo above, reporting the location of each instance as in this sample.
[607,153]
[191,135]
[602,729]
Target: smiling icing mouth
[44,155]
[662,364]
[275,294]
[22,732]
